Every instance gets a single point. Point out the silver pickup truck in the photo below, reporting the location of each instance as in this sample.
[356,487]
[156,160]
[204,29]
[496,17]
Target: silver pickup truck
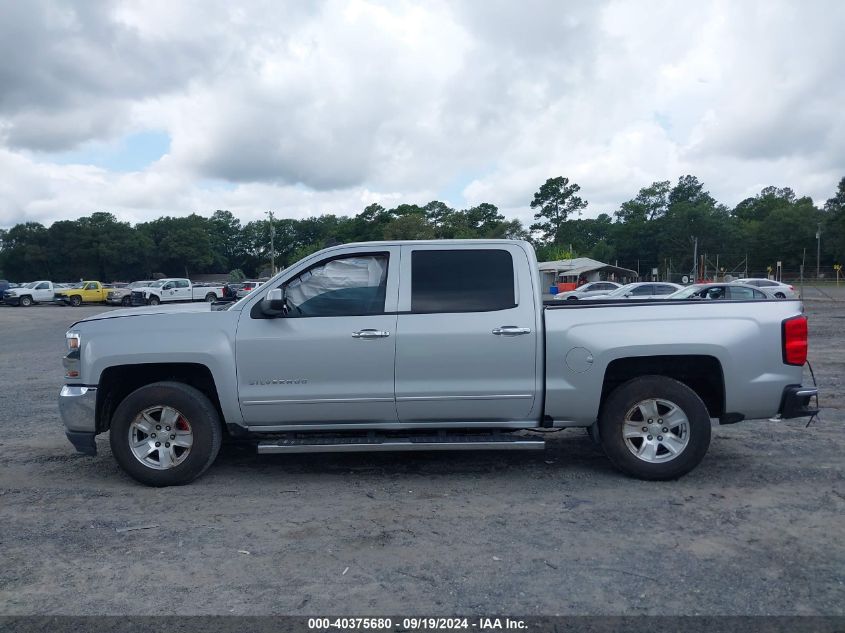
[427,345]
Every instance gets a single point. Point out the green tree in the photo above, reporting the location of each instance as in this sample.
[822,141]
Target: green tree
[411,226]
[24,255]
[833,233]
[555,201]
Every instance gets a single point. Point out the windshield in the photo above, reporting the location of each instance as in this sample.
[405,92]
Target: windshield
[141,284]
[157,284]
[78,286]
[620,292]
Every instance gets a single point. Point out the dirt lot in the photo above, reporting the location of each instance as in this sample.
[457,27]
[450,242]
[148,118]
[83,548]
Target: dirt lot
[756,529]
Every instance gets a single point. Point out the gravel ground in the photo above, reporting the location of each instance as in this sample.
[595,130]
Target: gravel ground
[757,528]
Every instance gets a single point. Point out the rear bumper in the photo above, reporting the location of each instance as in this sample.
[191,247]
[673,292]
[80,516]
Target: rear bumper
[796,402]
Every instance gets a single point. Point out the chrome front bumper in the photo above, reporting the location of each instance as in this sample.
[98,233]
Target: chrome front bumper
[78,407]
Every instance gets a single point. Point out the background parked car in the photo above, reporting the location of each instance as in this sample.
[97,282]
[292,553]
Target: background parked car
[774,289]
[640,290]
[4,286]
[590,289]
[26,295]
[247,287]
[729,291]
[230,291]
[123,295]
[175,289]
[83,292]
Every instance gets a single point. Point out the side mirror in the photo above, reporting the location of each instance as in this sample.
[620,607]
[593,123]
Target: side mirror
[274,304]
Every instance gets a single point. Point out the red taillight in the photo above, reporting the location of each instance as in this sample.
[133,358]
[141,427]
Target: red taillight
[795,340]
[791,288]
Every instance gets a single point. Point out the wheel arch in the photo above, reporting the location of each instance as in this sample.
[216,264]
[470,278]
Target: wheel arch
[119,381]
[701,373]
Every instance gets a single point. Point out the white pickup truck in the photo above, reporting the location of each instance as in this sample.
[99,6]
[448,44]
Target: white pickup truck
[173,290]
[426,345]
[26,295]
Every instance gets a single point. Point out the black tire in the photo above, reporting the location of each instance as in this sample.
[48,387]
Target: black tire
[624,399]
[76,301]
[154,301]
[126,301]
[197,410]
[570,298]
[210,297]
[780,295]
[26,301]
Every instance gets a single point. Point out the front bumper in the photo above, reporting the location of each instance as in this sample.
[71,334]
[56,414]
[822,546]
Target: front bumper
[12,301]
[796,402]
[78,408]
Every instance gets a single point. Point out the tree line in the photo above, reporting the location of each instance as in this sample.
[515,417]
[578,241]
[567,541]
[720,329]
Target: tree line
[654,229]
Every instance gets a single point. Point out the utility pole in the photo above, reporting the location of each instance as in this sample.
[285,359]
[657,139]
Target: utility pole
[272,245]
[818,249]
[694,260]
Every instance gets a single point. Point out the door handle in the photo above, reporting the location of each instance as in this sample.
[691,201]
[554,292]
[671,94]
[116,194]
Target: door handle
[369,333]
[511,330]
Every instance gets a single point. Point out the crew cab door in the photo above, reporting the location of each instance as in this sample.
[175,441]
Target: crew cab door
[466,348]
[183,290]
[330,359]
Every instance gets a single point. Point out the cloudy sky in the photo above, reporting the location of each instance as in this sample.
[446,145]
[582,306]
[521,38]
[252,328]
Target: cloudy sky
[172,106]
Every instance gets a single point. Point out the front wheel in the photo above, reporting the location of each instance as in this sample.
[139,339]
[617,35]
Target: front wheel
[76,301]
[654,427]
[165,434]
[154,301]
[126,301]
[26,301]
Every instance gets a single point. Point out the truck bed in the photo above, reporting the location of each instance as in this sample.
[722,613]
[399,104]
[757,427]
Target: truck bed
[734,347]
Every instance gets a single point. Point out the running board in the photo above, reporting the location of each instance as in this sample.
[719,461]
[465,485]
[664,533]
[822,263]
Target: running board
[362,444]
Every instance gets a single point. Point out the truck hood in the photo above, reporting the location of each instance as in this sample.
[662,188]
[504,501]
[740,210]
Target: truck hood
[150,310]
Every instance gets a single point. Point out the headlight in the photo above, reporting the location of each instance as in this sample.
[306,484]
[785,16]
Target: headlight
[72,339]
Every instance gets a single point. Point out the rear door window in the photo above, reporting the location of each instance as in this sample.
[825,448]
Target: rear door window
[643,291]
[467,280]
[663,289]
[738,292]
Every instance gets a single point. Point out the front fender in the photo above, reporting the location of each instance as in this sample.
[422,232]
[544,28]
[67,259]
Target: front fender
[202,338]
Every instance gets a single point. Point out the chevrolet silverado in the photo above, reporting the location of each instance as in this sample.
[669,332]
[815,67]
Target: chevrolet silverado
[426,345]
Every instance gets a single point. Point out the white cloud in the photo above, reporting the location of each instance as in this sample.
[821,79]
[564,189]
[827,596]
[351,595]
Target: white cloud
[324,107]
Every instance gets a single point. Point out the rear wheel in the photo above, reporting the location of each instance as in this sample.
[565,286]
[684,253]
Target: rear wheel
[26,301]
[165,434]
[76,301]
[211,297]
[654,427]
[126,301]
[780,295]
